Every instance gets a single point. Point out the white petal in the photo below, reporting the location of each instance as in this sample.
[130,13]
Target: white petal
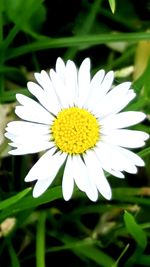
[117,94]
[96,81]
[122,87]
[94,89]
[32,111]
[67,84]
[60,68]
[107,166]
[71,82]
[24,128]
[113,103]
[95,171]
[44,80]
[111,157]
[46,167]
[122,120]
[30,149]
[68,181]
[49,99]
[83,82]
[81,183]
[67,76]
[28,141]
[28,137]
[82,179]
[115,173]
[60,89]
[106,84]
[136,160]
[41,186]
[104,87]
[20,141]
[35,89]
[46,98]
[125,138]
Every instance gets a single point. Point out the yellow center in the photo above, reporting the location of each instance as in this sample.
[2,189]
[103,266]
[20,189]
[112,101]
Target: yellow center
[75,130]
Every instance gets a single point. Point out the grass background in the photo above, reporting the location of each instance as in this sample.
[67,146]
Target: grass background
[49,231]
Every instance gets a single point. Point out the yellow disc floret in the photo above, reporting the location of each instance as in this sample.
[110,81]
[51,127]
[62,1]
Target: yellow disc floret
[75,130]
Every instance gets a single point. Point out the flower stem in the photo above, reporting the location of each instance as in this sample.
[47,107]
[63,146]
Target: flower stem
[40,241]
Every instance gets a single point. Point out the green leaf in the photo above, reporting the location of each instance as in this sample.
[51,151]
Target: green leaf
[144,260]
[112,4]
[20,12]
[145,152]
[13,205]
[33,25]
[12,200]
[135,230]
[29,202]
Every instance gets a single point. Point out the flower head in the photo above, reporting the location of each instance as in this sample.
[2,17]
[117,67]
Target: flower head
[78,122]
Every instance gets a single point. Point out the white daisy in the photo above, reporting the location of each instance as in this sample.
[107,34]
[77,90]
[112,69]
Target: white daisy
[77,121]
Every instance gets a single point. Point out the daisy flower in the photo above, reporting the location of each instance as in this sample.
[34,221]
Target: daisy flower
[78,122]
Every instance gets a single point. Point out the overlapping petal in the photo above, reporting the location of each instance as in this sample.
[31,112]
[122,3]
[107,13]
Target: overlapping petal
[110,156]
[47,166]
[96,174]
[125,138]
[122,120]
[32,111]
[99,87]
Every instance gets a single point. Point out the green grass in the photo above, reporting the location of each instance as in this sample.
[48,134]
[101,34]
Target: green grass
[115,233]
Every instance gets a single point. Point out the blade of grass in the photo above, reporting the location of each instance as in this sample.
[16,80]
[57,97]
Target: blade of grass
[1,20]
[12,200]
[112,4]
[77,41]
[88,250]
[121,255]
[13,256]
[127,195]
[72,245]
[29,202]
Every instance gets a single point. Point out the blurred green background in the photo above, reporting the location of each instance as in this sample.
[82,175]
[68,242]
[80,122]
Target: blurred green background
[48,231]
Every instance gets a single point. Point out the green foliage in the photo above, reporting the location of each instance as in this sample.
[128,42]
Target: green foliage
[12,200]
[115,233]
[135,230]
[112,4]
[32,13]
